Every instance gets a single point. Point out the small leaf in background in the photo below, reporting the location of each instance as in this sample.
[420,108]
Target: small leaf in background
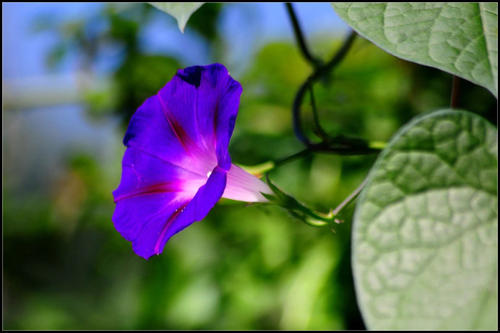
[180,10]
[425,234]
[459,38]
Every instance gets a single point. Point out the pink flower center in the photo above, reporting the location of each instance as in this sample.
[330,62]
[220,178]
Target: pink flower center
[240,185]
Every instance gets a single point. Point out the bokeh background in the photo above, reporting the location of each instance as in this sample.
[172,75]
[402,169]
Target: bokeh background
[72,75]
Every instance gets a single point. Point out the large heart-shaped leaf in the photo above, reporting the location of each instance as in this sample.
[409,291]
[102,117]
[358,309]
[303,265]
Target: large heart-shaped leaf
[425,234]
[182,11]
[459,38]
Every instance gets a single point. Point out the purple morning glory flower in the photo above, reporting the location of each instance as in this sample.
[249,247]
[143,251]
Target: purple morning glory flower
[177,165]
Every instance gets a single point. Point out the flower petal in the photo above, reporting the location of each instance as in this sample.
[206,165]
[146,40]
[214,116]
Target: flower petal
[175,165]
[135,215]
[226,118]
[154,200]
[244,186]
[204,101]
[196,210]
[143,172]
[151,132]
[147,185]
[168,218]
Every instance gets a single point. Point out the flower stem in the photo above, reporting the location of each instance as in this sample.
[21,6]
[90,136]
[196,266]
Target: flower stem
[265,167]
[306,214]
[377,144]
[350,198]
[455,91]
[258,169]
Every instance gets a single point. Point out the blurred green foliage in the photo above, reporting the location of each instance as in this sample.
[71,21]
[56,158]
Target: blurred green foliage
[242,267]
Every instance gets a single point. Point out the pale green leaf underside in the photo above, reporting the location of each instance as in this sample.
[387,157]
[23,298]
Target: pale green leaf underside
[182,11]
[425,227]
[459,38]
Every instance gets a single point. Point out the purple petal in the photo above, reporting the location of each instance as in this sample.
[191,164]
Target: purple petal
[204,101]
[162,215]
[151,132]
[135,215]
[148,184]
[196,210]
[143,171]
[174,169]
[226,118]
[153,193]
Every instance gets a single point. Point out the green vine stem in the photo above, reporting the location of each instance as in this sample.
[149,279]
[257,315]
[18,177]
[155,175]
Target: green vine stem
[306,214]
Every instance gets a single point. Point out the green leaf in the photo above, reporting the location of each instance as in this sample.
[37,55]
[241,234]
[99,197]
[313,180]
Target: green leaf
[425,234]
[459,38]
[182,11]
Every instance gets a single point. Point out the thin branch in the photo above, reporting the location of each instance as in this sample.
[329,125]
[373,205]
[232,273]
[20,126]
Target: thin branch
[341,53]
[350,198]
[320,132]
[351,147]
[455,91]
[332,145]
[304,213]
[300,37]
[292,157]
[315,76]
